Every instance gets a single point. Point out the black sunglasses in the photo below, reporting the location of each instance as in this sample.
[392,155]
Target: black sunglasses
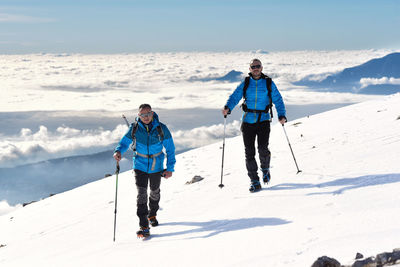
[255,67]
[146,115]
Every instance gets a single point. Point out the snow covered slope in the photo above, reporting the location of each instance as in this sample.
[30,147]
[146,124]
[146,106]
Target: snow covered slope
[345,201]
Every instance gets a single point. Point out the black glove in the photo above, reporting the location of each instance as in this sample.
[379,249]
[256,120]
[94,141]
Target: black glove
[229,111]
[282,117]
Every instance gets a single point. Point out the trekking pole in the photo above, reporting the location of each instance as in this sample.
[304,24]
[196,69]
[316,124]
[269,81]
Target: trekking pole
[126,121]
[223,152]
[283,126]
[116,194]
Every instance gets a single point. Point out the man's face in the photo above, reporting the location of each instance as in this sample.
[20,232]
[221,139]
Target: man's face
[256,68]
[146,115]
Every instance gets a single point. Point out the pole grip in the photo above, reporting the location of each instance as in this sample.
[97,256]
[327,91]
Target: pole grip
[117,168]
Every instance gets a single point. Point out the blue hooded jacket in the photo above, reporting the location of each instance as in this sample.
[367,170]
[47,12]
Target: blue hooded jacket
[257,99]
[148,142]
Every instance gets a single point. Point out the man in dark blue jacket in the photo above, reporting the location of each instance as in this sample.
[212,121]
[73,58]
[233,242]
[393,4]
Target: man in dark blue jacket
[149,138]
[256,119]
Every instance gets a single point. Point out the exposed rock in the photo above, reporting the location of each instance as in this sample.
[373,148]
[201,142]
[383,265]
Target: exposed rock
[388,257]
[195,179]
[359,256]
[381,260]
[368,262]
[27,203]
[325,261]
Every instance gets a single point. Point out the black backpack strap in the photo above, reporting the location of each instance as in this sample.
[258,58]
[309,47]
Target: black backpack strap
[160,133]
[269,88]
[134,129]
[246,85]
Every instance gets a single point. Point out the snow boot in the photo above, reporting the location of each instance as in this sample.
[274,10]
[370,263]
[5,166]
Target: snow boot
[143,232]
[255,186]
[266,176]
[153,221]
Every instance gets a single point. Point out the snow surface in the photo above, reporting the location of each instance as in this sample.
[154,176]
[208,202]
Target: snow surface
[345,201]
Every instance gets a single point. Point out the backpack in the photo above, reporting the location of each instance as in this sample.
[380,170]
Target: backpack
[268,108]
[134,129]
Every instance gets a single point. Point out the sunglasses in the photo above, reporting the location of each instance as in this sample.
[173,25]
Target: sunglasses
[146,115]
[255,67]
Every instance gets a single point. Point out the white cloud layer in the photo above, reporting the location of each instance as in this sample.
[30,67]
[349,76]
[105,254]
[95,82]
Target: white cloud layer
[6,208]
[202,136]
[374,81]
[113,83]
[123,81]
[29,147]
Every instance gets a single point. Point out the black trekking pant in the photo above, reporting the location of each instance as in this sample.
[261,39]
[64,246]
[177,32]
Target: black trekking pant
[250,131]
[142,180]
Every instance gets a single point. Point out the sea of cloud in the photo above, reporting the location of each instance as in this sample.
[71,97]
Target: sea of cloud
[40,82]
[374,81]
[63,105]
[29,147]
[118,83]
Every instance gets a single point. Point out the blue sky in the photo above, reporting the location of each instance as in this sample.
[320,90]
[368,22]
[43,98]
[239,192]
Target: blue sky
[117,26]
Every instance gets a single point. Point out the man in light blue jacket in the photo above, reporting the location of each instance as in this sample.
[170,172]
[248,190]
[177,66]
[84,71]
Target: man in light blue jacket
[149,137]
[259,92]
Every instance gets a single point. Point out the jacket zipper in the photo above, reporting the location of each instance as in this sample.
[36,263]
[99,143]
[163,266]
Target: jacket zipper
[148,148]
[255,104]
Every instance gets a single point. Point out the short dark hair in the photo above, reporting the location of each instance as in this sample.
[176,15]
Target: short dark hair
[144,106]
[255,59]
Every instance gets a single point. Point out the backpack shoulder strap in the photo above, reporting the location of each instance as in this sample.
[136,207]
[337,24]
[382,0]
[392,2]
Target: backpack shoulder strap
[246,85]
[160,132]
[269,88]
[269,84]
[134,129]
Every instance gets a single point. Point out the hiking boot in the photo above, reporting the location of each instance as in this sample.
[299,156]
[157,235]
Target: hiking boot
[153,221]
[143,232]
[266,176]
[255,186]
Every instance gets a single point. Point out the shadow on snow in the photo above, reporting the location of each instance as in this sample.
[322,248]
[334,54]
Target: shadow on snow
[345,183]
[215,227]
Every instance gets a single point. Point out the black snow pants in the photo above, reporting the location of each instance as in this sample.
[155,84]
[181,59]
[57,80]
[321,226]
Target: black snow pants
[250,131]
[142,180]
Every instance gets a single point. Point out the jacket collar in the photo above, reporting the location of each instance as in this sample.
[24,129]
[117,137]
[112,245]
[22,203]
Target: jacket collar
[263,76]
